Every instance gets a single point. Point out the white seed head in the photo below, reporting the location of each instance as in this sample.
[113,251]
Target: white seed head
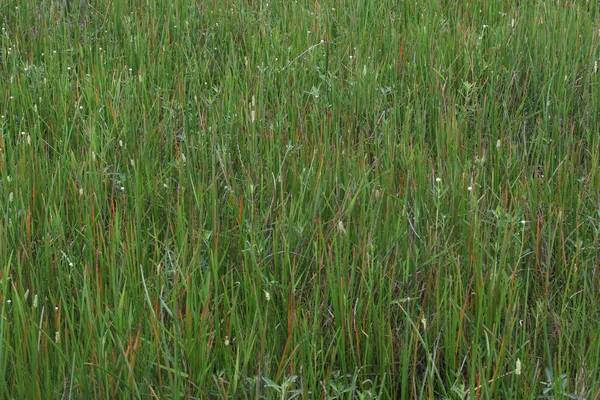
[35,301]
[498,144]
[57,337]
[518,367]
[267,296]
[11,196]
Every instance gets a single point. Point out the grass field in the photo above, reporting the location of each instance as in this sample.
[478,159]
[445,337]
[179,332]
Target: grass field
[312,199]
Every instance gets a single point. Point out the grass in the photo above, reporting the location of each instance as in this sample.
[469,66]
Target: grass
[299,199]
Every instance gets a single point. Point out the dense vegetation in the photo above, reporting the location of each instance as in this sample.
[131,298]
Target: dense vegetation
[315,198]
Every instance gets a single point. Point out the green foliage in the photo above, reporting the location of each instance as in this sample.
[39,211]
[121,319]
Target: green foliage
[299,199]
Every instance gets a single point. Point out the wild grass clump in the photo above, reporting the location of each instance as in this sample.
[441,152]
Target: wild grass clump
[299,199]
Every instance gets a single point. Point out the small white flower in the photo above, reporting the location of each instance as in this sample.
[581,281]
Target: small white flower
[70,264]
[165,185]
[68,68]
[9,301]
[438,180]
[130,69]
[56,308]
[518,367]
[81,107]
[470,188]
[226,341]
[122,188]
[523,222]
[341,227]
[81,191]
[120,143]
[267,296]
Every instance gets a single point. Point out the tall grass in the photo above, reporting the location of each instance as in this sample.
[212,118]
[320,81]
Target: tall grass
[310,199]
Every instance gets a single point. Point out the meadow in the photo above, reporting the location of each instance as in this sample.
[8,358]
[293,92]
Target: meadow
[310,199]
